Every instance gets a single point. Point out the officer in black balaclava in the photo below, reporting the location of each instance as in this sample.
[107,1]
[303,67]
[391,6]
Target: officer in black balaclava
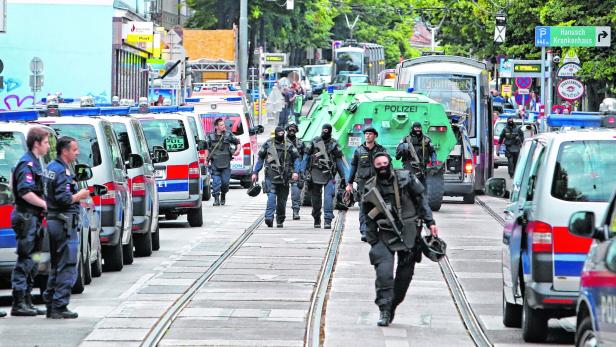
[322,159]
[296,186]
[512,137]
[416,151]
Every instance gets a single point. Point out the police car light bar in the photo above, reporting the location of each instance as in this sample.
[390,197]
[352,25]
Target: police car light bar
[14,116]
[192,99]
[186,108]
[64,100]
[121,110]
[575,120]
[163,109]
[79,112]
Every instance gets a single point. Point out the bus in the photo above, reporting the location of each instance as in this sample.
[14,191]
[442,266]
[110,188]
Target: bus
[359,58]
[461,85]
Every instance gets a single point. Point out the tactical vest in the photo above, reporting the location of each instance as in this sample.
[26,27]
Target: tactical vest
[365,169]
[512,137]
[278,161]
[322,166]
[220,150]
[422,149]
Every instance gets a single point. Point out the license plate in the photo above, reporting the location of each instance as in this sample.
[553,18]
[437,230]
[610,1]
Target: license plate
[160,174]
[354,141]
[237,165]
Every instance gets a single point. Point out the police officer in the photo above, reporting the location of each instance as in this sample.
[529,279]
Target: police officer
[26,220]
[362,170]
[63,199]
[282,164]
[512,137]
[219,142]
[322,159]
[403,194]
[416,151]
[296,186]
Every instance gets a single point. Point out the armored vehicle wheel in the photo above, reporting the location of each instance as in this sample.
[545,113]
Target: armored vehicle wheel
[435,187]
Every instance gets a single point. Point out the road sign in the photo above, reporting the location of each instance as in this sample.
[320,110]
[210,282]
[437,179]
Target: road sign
[275,59]
[499,34]
[571,57]
[525,68]
[2,16]
[36,82]
[569,70]
[506,89]
[570,89]
[523,82]
[523,91]
[36,66]
[573,36]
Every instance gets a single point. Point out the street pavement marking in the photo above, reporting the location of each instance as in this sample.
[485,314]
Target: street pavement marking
[136,286]
[271,343]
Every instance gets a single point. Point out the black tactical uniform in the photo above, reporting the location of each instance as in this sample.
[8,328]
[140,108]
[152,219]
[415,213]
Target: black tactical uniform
[322,159]
[296,187]
[281,161]
[410,206]
[513,137]
[416,151]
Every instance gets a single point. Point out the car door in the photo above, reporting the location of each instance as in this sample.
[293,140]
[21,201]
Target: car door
[148,170]
[124,203]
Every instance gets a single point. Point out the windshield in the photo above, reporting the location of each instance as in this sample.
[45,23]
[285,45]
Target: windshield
[85,134]
[455,92]
[585,171]
[358,79]
[324,70]
[12,147]
[349,62]
[233,122]
[168,133]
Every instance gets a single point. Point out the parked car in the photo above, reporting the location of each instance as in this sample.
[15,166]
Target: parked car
[344,81]
[194,121]
[320,76]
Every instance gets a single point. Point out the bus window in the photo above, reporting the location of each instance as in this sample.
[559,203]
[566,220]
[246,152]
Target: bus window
[349,62]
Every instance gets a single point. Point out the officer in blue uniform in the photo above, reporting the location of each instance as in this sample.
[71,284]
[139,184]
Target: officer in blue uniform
[26,220]
[62,221]
[219,142]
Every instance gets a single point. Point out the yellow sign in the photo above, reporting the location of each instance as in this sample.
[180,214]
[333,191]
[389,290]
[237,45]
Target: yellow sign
[527,68]
[140,38]
[506,89]
[274,58]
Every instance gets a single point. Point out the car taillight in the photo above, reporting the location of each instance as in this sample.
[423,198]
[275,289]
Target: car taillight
[247,149]
[349,84]
[541,236]
[193,170]
[107,199]
[438,129]
[137,186]
[468,166]
[202,157]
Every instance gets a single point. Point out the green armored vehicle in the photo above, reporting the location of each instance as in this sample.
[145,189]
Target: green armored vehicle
[392,113]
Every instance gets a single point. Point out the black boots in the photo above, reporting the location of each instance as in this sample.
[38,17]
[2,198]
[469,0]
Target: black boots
[216,200]
[222,199]
[278,224]
[63,313]
[20,309]
[327,224]
[269,223]
[28,299]
[317,223]
[295,214]
[2,314]
[384,318]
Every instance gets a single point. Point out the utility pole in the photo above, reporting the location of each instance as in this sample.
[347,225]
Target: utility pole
[243,56]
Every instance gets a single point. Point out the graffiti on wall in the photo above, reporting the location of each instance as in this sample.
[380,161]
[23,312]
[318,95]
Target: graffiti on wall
[12,96]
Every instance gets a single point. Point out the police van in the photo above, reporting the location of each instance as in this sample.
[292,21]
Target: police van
[557,174]
[237,118]
[179,179]
[13,133]
[99,149]
[141,182]
[596,306]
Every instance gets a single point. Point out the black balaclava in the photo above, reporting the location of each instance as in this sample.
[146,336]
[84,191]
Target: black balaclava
[415,132]
[384,172]
[510,122]
[279,138]
[326,135]
[291,131]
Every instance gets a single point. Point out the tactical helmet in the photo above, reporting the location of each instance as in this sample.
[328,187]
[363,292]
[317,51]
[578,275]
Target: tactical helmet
[433,247]
[255,190]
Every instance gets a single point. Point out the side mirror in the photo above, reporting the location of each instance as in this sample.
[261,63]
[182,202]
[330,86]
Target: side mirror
[159,155]
[497,187]
[82,172]
[582,224]
[134,161]
[99,190]
[6,196]
[260,129]
[201,145]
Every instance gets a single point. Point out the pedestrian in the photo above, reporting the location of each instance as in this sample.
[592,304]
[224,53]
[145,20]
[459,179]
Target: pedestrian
[404,195]
[289,100]
[512,137]
[221,153]
[322,159]
[298,185]
[282,164]
[26,220]
[362,170]
[62,200]
[417,152]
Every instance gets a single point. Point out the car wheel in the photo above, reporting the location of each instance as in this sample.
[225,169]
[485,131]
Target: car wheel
[469,198]
[156,239]
[87,269]
[585,335]
[195,217]
[143,244]
[512,314]
[80,284]
[97,266]
[207,193]
[534,324]
[128,253]
[113,257]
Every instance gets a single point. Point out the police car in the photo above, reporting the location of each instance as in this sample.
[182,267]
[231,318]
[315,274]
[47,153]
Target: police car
[194,121]
[236,115]
[179,179]
[596,306]
[557,174]
[99,149]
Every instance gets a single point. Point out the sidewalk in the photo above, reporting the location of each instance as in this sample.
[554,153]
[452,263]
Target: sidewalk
[427,316]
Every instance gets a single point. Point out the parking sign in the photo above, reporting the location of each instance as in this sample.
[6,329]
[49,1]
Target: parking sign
[542,36]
